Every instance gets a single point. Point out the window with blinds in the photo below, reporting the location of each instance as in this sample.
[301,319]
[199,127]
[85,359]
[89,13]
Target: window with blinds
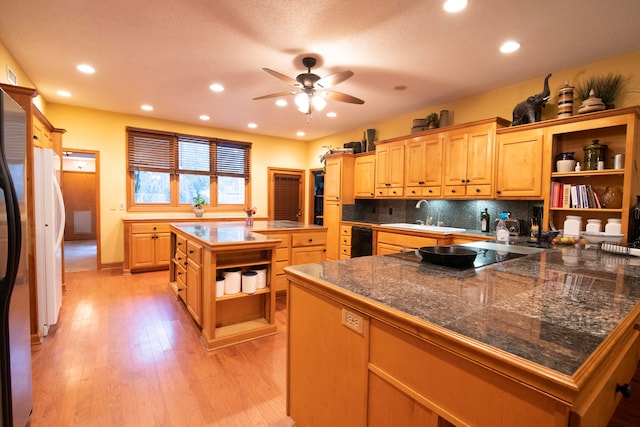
[168,170]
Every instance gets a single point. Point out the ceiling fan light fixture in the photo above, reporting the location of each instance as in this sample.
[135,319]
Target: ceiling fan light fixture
[303,102]
[318,102]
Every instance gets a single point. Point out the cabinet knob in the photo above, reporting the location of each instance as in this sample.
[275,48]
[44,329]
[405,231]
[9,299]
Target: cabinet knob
[179,258]
[477,190]
[498,191]
[191,251]
[624,389]
[372,194]
[310,240]
[413,191]
[155,228]
[179,243]
[388,185]
[453,191]
[430,191]
[421,182]
[463,181]
[186,263]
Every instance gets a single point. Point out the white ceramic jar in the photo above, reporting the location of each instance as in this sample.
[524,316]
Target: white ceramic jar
[572,226]
[219,286]
[249,281]
[594,225]
[613,226]
[232,278]
[261,270]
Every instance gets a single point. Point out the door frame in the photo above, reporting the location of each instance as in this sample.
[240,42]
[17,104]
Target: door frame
[272,172]
[97,207]
[310,202]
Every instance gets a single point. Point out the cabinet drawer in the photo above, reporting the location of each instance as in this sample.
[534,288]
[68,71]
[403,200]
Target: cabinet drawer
[455,190]
[181,244]
[194,252]
[180,257]
[309,239]
[280,265]
[345,250]
[282,254]
[406,240]
[284,238]
[597,408]
[150,228]
[423,191]
[181,274]
[345,240]
[345,230]
[478,190]
[389,192]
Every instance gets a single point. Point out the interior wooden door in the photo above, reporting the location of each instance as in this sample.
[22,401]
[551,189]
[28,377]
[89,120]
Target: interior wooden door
[286,194]
[80,205]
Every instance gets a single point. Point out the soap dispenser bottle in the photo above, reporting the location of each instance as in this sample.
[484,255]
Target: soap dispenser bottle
[502,232]
[484,221]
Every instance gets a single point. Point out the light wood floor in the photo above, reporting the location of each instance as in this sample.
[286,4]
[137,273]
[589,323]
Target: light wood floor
[125,353]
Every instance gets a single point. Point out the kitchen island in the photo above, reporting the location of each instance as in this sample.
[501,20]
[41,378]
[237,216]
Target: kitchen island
[551,338]
[203,251]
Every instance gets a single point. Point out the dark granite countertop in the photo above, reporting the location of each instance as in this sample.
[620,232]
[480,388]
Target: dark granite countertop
[552,308]
[237,231]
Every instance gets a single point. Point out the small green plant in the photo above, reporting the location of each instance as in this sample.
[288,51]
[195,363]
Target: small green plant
[432,118]
[606,87]
[323,156]
[199,201]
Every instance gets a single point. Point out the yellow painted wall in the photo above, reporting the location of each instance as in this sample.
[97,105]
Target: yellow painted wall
[499,102]
[7,60]
[105,132]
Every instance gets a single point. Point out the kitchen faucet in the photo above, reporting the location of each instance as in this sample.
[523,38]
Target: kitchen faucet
[428,219]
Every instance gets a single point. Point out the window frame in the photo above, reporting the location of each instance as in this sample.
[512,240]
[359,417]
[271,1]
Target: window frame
[136,161]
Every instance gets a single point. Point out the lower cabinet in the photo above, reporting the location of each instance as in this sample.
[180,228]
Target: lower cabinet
[149,247]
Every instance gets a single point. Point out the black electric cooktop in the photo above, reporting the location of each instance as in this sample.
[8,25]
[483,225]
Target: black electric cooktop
[484,257]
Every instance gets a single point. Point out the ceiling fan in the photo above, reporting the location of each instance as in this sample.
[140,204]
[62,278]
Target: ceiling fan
[311,89]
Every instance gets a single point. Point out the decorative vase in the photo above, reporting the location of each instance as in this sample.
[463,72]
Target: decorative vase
[634,223]
[612,198]
[198,211]
[249,221]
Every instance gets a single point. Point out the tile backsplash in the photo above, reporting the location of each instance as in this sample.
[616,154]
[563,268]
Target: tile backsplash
[451,213]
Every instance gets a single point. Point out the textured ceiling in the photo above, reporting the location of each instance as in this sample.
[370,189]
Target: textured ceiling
[167,53]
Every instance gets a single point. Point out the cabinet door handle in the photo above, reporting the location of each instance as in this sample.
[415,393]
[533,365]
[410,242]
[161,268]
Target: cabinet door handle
[191,251]
[421,182]
[624,389]
[388,185]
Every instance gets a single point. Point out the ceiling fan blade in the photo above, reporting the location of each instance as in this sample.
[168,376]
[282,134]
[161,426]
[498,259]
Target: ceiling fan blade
[343,97]
[334,79]
[282,77]
[273,95]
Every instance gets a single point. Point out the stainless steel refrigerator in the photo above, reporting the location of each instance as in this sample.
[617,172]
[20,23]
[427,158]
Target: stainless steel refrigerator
[15,340]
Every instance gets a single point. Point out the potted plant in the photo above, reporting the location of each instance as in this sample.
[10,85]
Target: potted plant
[432,121]
[323,156]
[198,205]
[606,87]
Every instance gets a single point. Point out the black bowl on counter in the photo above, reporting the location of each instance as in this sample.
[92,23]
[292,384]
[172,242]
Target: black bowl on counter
[451,256]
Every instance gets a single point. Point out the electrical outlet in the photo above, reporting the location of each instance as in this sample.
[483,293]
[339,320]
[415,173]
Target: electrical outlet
[112,206]
[353,321]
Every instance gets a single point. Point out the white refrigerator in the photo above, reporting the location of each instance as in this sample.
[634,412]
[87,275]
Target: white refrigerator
[49,223]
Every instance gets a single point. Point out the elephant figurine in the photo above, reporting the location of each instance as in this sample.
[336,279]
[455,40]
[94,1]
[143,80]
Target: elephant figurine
[530,110]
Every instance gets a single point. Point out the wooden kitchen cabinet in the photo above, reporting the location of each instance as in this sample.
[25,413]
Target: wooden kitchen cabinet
[364,176]
[390,169]
[193,299]
[619,130]
[519,163]
[345,241]
[423,166]
[391,241]
[338,191]
[149,246]
[469,160]
[308,247]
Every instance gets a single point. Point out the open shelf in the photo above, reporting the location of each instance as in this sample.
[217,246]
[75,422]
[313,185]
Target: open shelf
[242,294]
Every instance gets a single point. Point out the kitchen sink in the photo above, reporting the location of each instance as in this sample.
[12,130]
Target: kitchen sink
[422,227]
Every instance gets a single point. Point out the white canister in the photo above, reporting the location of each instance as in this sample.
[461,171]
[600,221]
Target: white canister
[613,226]
[261,271]
[594,225]
[219,286]
[232,278]
[249,281]
[572,226]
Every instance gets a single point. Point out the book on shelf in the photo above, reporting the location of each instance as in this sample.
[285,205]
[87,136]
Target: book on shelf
[576,196]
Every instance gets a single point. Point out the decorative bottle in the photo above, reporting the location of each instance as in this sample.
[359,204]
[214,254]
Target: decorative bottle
[634,223]
[502,232]
[484,221]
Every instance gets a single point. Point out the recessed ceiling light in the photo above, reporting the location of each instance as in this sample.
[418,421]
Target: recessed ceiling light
[300,133]
[216,87]
[509,47]
[86,68]
[331,114]
[64,93]
[146,107]
[281,103]
[252,125]
[454,5]
[204,117]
